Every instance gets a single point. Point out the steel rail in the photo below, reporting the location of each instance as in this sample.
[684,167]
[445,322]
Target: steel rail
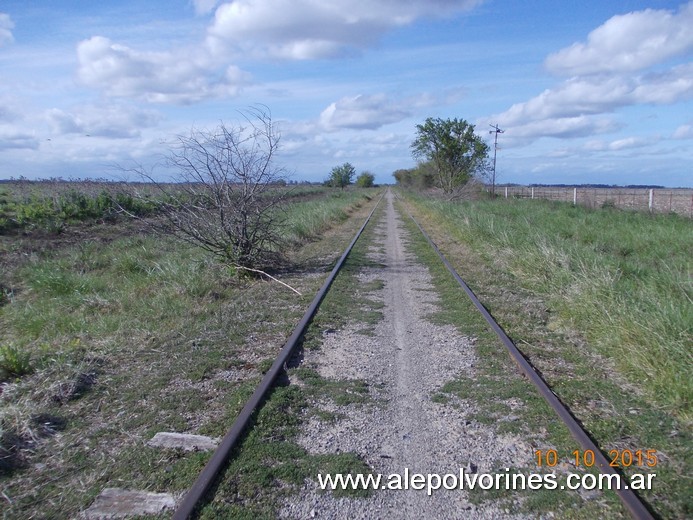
[221,455]
[637,508]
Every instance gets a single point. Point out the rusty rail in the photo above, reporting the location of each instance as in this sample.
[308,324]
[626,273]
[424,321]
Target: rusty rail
[637,508]
[221,455]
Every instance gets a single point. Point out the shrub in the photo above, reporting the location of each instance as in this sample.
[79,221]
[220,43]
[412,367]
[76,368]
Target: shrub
[14,362]
[225,200]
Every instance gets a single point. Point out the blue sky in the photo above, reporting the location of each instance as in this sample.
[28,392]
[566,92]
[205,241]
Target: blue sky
[586,92]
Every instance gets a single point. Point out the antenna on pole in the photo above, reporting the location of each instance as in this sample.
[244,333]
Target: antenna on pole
[496,131]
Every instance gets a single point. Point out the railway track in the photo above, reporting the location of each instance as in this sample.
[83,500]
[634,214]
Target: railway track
[198,493]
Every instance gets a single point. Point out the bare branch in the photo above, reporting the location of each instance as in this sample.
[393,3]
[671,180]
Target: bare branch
[268,276]
[222,199]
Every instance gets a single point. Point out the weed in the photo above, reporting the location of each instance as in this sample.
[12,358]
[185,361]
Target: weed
[14,362]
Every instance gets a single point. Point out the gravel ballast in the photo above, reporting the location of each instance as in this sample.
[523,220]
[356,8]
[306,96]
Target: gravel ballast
[405,361]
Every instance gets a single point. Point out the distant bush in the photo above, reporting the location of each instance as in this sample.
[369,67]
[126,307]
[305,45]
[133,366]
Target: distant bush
[365,180]
[54,212]
[420,178]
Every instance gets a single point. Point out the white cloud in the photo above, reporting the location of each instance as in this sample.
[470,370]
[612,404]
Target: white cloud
[362,112]
[613,69]
[308,29]
[666,87]
[6,26]
[158,77]
[286,29]
[596,95]
[560,127]
[114,121]
[630,142]
[563,111]
[627,43]
[683,132]
[376,110]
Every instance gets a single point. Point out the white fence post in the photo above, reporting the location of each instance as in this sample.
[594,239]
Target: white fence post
[574,196]
[506,192]
[649,205]
[532,191]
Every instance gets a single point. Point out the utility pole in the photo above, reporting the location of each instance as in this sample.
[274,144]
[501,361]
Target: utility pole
[496,131]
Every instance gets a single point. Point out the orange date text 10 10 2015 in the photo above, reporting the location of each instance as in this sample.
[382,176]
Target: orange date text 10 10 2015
[617,458]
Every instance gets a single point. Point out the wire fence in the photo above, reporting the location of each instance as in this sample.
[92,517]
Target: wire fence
[654,200]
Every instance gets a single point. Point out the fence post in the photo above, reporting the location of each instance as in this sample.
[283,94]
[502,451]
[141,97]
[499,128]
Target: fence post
[506,192]
[574,196]
[532,191]
[649,204]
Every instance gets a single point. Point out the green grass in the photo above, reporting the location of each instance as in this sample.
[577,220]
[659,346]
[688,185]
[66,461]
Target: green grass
[126,337]
[620,278]
[540,281]
[309,219]
[53,205]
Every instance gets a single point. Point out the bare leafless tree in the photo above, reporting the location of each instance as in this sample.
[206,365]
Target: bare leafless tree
[225,196]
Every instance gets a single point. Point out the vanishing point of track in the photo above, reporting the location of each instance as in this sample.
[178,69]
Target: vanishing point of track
[197,493]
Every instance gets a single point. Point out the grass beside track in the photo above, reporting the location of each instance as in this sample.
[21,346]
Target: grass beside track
[599,302]
[122,334]
[621,278]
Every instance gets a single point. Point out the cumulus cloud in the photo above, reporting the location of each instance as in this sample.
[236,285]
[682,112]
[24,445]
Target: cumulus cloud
[286,29]
[560,127]
[376,110]
[615,68]
[596,95]
[627,43]
[306,29]
[362,112]
[114,121]
[6,26]
[157,77]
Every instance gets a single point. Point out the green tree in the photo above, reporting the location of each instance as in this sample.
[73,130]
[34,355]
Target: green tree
[453,148]
[342,176]
[365,180]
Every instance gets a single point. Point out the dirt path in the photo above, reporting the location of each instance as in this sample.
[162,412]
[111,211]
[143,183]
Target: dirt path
[407,360]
